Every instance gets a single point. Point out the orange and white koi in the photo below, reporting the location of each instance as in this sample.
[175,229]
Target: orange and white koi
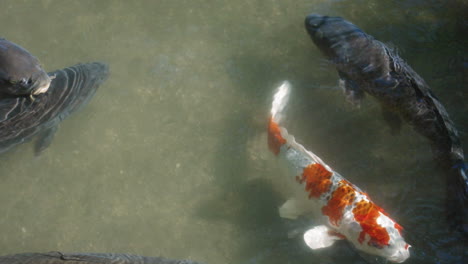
[348,212]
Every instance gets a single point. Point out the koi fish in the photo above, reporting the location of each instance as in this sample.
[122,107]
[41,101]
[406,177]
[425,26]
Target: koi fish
[23,118]
[367,66]
[348,212]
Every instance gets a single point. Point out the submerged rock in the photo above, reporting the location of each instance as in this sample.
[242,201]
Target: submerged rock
[86,258]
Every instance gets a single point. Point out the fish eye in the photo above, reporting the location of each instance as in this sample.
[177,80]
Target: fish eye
[375,244]
[25,81]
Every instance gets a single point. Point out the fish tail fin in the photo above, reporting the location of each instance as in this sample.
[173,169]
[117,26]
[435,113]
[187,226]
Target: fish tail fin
[457,199]
[82,80]
[278,135]
[275,133]
[280,99]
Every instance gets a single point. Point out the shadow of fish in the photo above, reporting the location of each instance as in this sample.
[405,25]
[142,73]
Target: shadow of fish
[25,113]
[366,65]
[86,258]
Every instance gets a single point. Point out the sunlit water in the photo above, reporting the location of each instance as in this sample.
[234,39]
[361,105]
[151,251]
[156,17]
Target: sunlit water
[170,157]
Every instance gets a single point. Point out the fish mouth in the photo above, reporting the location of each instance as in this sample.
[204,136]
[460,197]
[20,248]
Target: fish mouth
[313,22]
[400,256]
[42,84]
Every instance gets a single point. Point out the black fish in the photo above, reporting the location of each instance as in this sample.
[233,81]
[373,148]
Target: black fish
[25,114]
[86,258]
[366,65]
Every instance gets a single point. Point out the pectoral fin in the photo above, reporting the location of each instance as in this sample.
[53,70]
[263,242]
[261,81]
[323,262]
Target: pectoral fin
[352,91]
[386,82]
[44,140]
[321,237]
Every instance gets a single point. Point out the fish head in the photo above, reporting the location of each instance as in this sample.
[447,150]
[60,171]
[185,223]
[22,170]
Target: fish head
[347,46]
[381,237]
[334,36]
[20,72]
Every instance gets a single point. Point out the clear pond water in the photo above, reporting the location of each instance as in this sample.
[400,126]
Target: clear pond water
[170,156]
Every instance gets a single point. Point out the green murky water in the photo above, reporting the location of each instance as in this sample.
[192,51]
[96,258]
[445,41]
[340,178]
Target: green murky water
[170,157]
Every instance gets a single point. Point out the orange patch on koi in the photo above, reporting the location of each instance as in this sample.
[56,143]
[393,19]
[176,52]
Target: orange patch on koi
[275,140]
[317,179]
[366,214]
[343,196]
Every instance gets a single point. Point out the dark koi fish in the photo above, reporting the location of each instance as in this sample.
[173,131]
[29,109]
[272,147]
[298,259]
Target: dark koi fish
[367,66]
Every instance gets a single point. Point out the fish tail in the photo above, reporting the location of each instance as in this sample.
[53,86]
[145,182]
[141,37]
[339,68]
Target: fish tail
[457,199]
[82,82]
[275,134]
[280,99]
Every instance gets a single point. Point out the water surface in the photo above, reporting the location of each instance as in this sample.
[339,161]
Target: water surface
[170,157]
